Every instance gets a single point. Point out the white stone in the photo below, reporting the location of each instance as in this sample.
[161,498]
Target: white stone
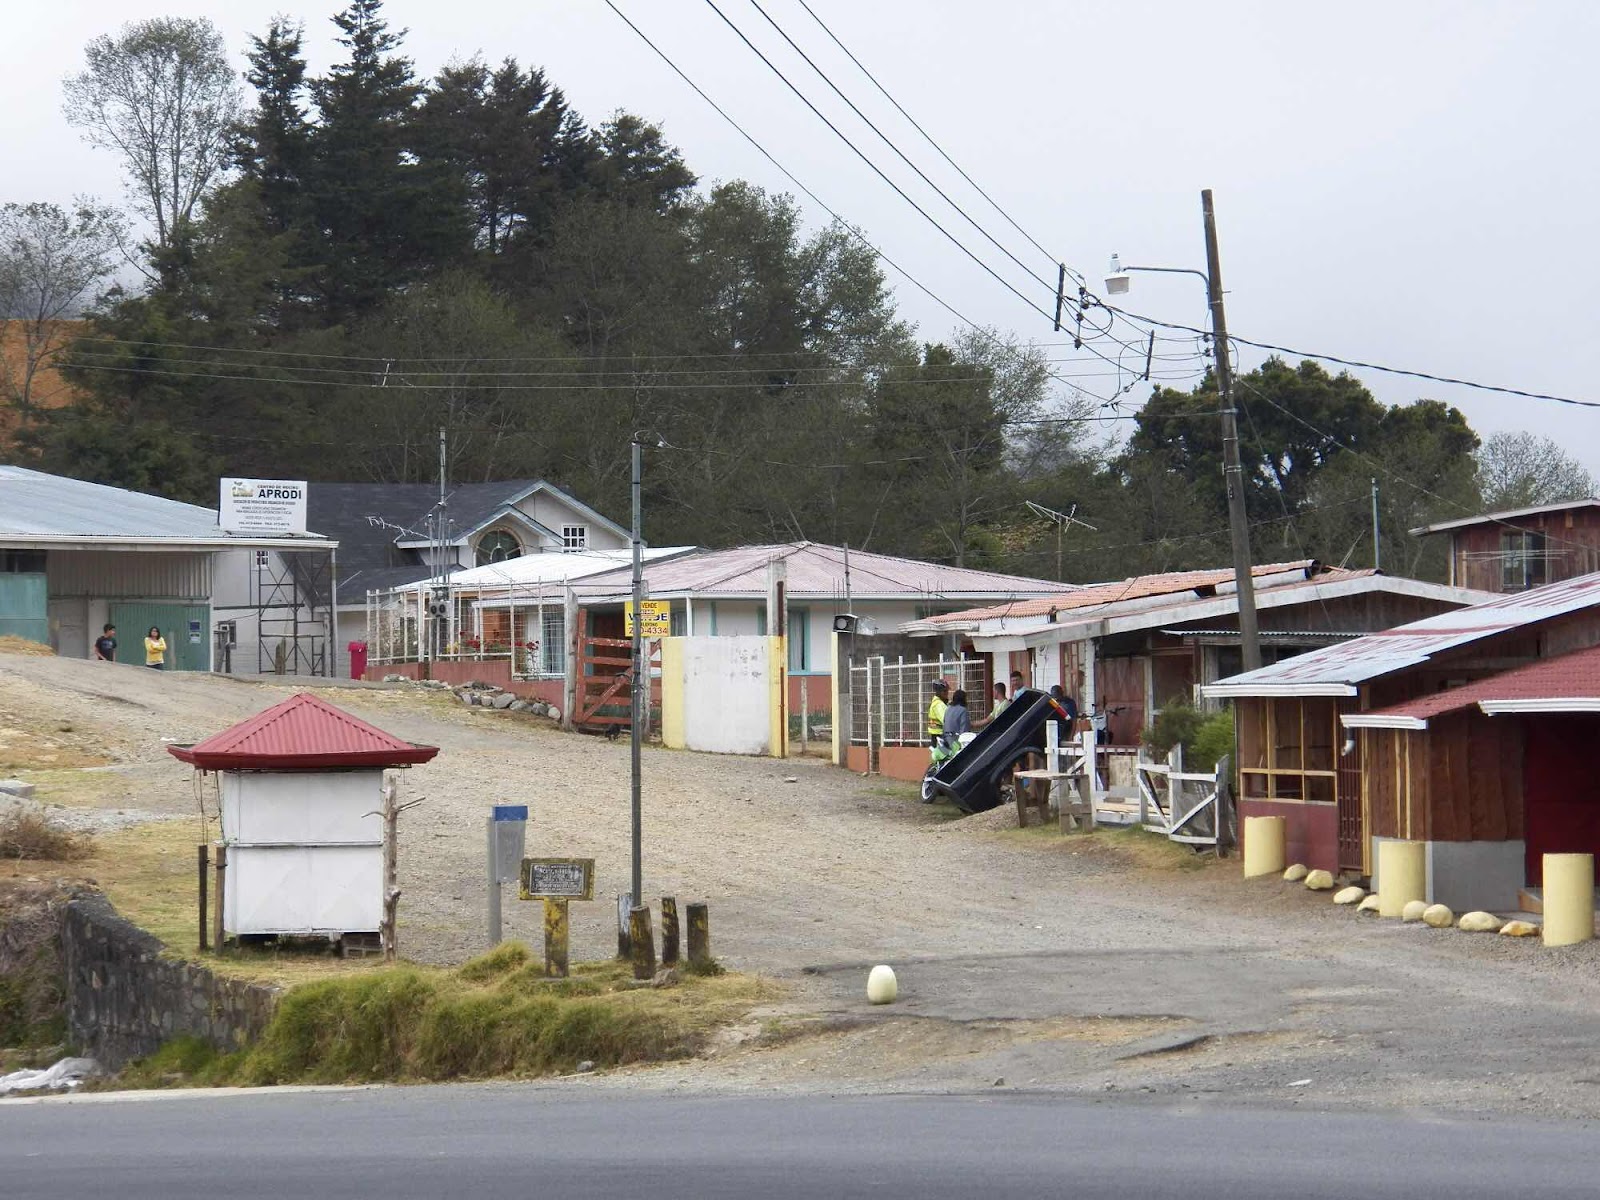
[1439,916]
[1319,881]
[1296,873]
[882,987]
[1519,929]
[1413,910]
[1369,903]
[554,714]
[1479,922]
[1350,895]
[504,700]
[15,787]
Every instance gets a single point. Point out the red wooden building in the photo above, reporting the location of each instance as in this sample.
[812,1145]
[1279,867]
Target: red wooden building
[1522,548]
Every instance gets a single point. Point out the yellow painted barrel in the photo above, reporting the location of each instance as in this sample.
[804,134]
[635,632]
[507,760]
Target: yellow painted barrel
[1568,899]
[1263,846]
[1402,876]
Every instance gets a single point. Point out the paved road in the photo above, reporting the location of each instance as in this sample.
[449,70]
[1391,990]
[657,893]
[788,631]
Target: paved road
[509,1141]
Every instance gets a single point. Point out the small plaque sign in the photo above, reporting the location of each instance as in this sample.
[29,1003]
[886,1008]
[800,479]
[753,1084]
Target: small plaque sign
[557,879]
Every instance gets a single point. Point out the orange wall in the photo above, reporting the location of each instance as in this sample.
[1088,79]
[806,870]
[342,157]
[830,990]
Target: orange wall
[490,670]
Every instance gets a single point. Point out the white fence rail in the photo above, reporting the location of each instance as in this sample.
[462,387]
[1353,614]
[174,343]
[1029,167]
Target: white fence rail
[889,698]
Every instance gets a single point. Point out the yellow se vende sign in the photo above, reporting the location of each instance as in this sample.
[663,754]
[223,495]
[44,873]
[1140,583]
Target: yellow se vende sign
[657,618]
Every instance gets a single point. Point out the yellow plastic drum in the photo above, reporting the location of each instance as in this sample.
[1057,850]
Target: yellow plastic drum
[1263,846]
[1568,899]
[1402,876]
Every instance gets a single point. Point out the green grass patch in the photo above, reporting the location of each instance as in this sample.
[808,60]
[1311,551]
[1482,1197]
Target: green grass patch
[496,1015]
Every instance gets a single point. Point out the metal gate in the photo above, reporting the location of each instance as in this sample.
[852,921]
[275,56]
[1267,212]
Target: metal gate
[1347,785]
[186,628]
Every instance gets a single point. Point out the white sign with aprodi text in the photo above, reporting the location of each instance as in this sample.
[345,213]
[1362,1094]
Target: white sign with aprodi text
[263,506]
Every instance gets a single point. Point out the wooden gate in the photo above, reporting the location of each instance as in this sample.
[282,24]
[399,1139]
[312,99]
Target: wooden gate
[604,683]
[1347,791]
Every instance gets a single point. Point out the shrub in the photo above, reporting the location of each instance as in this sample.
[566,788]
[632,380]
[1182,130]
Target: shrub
[1205,737]
[25,834]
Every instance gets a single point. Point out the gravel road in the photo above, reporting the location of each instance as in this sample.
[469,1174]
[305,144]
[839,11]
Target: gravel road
[1045,961]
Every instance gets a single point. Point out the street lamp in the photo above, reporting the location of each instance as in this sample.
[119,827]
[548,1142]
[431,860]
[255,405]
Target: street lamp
[1117,284]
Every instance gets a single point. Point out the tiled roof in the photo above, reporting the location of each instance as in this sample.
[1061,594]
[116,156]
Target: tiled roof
[1336,670]
[1138,587]
[1569,676]
[302,733]
[815,570]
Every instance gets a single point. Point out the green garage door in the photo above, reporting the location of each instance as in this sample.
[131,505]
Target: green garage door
[24,607]
[185,626]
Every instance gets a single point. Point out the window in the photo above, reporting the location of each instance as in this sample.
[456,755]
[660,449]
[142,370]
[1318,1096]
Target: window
[574,538]
[553,644]
[1522,561]
[496,546]
[799,639]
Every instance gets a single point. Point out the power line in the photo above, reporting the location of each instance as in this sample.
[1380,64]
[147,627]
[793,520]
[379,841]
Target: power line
[929,139]
[794,179]
[887,141]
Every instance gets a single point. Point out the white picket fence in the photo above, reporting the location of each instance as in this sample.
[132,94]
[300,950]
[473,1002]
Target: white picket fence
[1187,806]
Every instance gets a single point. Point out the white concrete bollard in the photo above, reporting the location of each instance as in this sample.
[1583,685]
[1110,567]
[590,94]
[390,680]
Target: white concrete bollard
[882,987]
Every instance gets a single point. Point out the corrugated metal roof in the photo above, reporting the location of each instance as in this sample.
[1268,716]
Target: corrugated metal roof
[37,505]
[1569,676]
[1336,670]
[1100,595]
[1510,514]
[815,570]
[552,567]
[302,733]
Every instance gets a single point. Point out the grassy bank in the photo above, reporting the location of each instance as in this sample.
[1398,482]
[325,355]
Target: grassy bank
[495,1016]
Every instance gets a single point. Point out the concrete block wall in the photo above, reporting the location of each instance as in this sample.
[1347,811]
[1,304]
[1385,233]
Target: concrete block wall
[124,999]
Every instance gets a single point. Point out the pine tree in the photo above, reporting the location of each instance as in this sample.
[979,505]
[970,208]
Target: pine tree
[385,218]
[273,147]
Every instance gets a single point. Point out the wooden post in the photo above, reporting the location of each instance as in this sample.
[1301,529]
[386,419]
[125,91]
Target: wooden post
[624,940]
[222,892]
[669,931]
[391,870]
[203,858]
[643,941]
[699,937]
[555,938]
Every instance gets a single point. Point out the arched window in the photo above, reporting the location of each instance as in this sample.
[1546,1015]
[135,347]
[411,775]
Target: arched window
[496,546]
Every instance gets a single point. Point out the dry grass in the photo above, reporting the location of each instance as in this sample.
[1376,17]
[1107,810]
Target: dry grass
[29,835]
[1128,846]
[10,643]
[49,744]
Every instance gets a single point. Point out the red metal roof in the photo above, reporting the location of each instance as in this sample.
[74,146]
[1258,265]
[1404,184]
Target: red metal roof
[303,733]
[1569,676]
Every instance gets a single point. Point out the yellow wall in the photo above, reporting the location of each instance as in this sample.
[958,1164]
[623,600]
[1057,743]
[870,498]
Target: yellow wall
[777,694]
[672,723]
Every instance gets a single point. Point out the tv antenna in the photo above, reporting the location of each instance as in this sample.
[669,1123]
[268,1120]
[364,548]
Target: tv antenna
[1061,520]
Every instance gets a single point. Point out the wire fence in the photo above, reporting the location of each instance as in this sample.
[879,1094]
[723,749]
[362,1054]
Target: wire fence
[889,698]
[526,626]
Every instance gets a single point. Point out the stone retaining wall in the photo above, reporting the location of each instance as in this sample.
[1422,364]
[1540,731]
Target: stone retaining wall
[124,999]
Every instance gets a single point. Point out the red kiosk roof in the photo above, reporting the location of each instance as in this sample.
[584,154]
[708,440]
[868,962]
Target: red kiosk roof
[303,733]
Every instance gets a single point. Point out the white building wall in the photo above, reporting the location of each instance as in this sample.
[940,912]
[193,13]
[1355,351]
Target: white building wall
[726,694]
[552,513]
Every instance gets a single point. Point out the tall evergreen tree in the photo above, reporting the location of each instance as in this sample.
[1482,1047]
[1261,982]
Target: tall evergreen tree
[384,217]
[273,145]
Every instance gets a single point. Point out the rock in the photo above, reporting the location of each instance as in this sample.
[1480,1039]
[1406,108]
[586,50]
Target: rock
[1349,895]
[520,706]
[15,787]
[791,779]
[554,714]
[1369,903]
[882,986]
[1479,922]
[1319,881]
[503,700]
[397,679]
[1413,910]
[537,707]
[1296,873]
[1519,929]
[1439,916]
[468,698]
[1000,1082]
[665,978]
[586,1066]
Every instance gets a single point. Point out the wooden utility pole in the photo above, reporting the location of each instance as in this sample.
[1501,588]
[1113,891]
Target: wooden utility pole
[391,870]
[1233,473]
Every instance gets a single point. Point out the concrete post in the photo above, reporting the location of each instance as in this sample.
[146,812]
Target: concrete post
[1568,899]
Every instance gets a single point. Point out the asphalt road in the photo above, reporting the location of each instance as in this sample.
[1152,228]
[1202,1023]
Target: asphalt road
[508,1141]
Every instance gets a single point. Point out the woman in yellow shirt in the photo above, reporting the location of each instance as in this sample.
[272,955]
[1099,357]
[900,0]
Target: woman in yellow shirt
[155,649]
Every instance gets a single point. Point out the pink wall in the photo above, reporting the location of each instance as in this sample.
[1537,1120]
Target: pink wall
[489,670]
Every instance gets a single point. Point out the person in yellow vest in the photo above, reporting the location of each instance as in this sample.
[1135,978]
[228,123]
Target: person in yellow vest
[155,650]
[936,707]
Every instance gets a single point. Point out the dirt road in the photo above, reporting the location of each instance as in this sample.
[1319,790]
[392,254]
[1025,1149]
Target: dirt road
[1044,961]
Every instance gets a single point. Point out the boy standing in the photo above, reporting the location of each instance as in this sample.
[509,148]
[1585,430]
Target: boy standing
[105,646]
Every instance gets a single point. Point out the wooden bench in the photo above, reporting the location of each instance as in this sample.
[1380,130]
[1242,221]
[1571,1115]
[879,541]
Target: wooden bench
[1032,790]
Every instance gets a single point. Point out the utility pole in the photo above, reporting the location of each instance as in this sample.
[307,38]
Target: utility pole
[1233,473]
[1377,551]
[639,681]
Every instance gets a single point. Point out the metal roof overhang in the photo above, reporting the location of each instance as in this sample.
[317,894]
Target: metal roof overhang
[1379,721]
[229,760]
[52,541]
[1543,704]
[1275,691]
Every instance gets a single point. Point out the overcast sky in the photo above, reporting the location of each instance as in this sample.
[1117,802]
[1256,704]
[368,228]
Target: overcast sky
[1409,183]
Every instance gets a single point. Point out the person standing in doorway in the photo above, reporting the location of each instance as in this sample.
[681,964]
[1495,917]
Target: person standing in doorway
[1016,683]
[155,649]
[105,646]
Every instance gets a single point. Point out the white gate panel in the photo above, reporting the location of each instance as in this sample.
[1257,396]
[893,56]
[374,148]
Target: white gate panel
[727,696]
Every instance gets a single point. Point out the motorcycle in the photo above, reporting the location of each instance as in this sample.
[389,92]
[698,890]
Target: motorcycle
[942,752]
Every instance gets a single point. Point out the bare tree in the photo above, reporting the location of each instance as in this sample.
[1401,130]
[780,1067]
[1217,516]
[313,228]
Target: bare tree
[52,262]
[162,95]
[1519,469]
